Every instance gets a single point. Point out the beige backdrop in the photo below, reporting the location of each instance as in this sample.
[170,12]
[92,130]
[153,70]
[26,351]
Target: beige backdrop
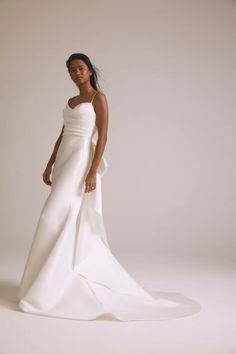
[168,71]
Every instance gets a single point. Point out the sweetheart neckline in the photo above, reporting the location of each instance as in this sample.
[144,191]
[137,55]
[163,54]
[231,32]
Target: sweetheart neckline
[79,105]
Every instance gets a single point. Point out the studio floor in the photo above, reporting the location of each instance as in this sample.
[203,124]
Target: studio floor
[210,281]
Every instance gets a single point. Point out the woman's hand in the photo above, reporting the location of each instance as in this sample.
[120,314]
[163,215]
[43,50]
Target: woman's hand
[90,181]
[46,175]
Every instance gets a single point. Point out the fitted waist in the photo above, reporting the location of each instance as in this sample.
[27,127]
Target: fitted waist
[85,133]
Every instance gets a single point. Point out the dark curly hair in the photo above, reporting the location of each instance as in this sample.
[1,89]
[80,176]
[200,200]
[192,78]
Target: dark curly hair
[92,67]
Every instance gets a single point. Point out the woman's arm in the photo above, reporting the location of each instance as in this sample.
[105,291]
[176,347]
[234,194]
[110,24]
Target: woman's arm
[101,109]
[47,172]
[54,153]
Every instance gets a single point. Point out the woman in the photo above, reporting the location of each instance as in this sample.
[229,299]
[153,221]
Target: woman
[70,271]
[80,73]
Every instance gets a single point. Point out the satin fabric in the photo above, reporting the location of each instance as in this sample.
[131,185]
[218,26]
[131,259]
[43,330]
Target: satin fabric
[70,270]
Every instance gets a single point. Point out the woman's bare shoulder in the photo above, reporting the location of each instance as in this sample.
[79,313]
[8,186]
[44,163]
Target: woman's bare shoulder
[100,93]
[100,97]
[70,100]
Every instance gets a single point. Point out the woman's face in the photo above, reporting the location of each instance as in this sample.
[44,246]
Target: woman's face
[79,71]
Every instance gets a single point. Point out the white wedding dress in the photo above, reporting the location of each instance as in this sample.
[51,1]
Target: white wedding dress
[70,271]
